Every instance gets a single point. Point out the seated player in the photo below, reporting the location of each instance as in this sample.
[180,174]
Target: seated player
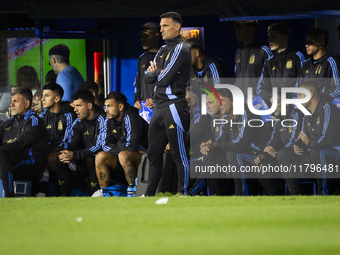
[215,155]
[244,142]
[281,138]
[127,138]
[23,147]
[58,117]
[83,142]
[319,137]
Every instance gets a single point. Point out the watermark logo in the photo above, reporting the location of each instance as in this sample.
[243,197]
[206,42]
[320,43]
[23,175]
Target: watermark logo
[238,100]
[210,94]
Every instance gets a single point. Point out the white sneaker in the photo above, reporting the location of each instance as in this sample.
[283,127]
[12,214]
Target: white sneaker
[98,193]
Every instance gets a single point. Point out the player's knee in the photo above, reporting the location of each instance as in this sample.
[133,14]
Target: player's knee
[100,157]
[124,157]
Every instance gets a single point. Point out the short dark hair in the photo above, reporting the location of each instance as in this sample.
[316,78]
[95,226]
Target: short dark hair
[245,23]
[280,28]
[174,16]
[62,53]
[84,95]
[225,93]
[320,35]
[89,85]
[25,92]
[311,86]
[195,43]
[56,88]
[119,97]
[152,26]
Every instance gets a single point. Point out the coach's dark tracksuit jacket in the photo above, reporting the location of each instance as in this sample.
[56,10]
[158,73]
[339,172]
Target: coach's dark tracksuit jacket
[130,133]
[212,68]
[322,127]
[242,136]
[86,136]
[57,125]
[26,136]
[325,72]
[284,136]
[174,59]
[170,116]
[249,61]
[143,90]
[280,70]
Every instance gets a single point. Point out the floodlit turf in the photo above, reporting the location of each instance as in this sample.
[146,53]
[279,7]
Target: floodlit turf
[185,225]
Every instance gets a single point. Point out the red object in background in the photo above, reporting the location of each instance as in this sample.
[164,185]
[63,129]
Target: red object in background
[98,66]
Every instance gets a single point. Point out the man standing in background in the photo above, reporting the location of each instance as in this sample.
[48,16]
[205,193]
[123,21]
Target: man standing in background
[68,77]
[250,58]
[150,43]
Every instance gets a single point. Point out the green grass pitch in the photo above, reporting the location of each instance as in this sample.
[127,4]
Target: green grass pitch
[185,225]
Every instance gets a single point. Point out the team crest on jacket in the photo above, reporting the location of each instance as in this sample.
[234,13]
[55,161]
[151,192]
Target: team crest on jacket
[273,68]
[7,128]
[318,120]
[217,129]
[60,125]
[252,59]
[114,131]
[143,66]
[238,61]
[49,127]
[289,64]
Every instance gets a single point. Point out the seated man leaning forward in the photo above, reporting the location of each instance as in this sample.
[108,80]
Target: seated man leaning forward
[126,139]
[23,143]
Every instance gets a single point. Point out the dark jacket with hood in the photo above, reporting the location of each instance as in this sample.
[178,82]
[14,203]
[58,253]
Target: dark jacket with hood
[174,59]
[280,70]
[130,133]
[26,136]
[325,73]
[57,125]
[86,136]
[249,61]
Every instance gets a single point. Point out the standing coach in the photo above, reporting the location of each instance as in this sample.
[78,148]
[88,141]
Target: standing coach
[169,72]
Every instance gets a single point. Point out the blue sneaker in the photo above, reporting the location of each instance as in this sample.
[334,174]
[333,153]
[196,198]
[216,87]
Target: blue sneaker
[131,191]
